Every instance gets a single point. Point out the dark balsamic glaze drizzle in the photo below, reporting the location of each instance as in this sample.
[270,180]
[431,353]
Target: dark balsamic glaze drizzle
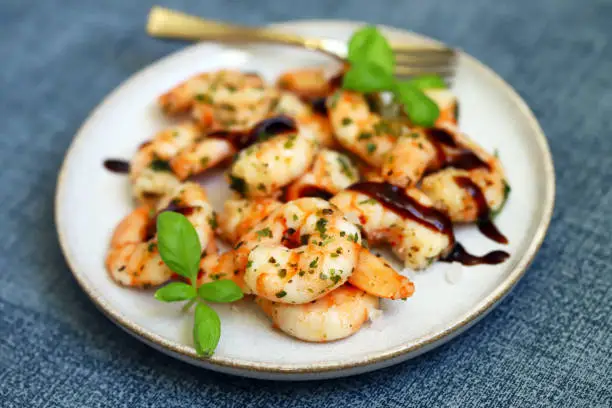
[335,82]
[266,128]
[117,166]
[319,105]
[459,254]
[314,191]
[395,199]
[485,225]
[449,154]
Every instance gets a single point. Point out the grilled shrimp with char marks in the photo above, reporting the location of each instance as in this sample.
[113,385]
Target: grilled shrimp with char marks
[307,83]
[334,316]
[312,125]
[150,172]
[239,216]
[456,190]
[359,130]
[412,155]
[416,241]
[182,98]
[202,155]
[234,111]
[264,168]
[133,258]
[305,249]
[301,251]
[331,172]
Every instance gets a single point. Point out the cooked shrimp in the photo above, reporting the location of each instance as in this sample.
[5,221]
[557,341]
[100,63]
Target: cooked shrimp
[447,104]
[240,216]
[359,130]
[377,278]
[300,252]
[150,172]
[335,316]
[414,241]
[427,150]
[191,200]
[327,252]
[183,97]
[133,258]
[229,265]
[200,156]
[411,156]
[369,173]
[455,197]
[307,83]
[312,125]
[291,105]
[331,172]
[265,167]
[237,110]
[220,145]
[452,189]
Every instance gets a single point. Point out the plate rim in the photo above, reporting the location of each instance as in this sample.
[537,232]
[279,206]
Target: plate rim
[384,358]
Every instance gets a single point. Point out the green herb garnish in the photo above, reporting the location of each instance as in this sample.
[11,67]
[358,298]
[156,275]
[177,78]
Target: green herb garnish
[321,225]
[180,249]
[266,232]
[158,164]
[372,63]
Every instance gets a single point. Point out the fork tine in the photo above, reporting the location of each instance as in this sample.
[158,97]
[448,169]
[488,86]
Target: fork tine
[411,70]
[415,60]
[422,59]
[420,49]
[448,77]
[448,80]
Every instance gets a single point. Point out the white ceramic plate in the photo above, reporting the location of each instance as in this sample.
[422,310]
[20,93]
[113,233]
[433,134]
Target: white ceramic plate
[90,201]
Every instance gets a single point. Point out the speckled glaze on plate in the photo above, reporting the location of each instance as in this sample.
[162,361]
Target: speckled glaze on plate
[90,201]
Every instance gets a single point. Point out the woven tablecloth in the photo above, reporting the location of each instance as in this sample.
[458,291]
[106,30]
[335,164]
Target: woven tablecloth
[548,344]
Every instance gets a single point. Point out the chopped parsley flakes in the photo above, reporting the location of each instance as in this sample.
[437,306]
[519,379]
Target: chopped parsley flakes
[314,263]
[321,225]
[264,233]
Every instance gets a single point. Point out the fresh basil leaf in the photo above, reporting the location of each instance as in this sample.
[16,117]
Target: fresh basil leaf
[178,243]
[206,330]
[221,291]
[367,78]
[421,110]
[368,45]
[175,292]
[427,82]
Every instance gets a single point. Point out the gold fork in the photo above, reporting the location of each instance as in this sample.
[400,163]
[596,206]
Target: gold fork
[411,60]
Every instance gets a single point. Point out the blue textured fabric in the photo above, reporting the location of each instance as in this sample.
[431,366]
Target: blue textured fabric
[548,344]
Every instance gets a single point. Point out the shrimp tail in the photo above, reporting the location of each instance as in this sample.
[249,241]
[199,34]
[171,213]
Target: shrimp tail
[376,277]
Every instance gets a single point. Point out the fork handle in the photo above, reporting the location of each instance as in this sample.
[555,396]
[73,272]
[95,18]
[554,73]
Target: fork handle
[166,23]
